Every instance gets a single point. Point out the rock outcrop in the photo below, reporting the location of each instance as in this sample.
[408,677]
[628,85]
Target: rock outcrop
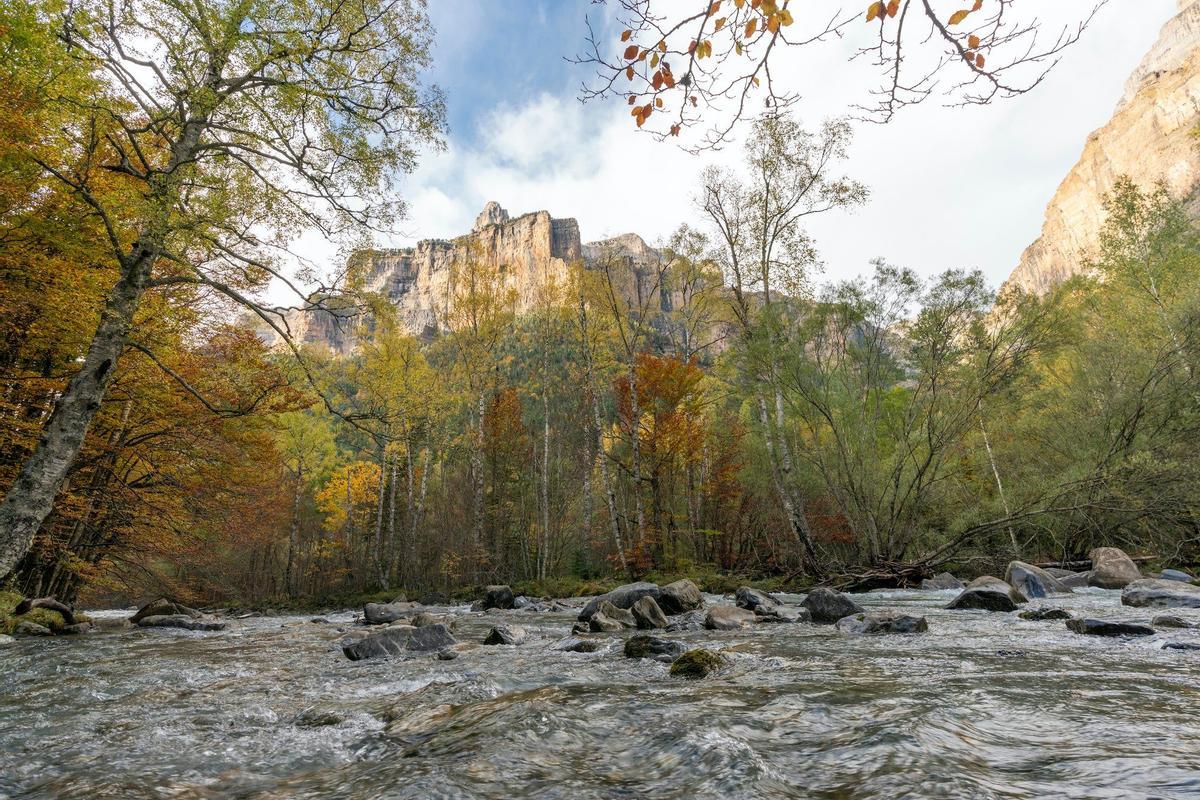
[1148,138]
[525,252]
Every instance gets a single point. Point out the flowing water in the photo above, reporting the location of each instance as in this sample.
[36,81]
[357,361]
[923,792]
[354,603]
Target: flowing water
[984,705]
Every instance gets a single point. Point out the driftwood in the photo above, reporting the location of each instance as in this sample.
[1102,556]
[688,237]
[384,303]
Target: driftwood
[49,603]
[1084,564]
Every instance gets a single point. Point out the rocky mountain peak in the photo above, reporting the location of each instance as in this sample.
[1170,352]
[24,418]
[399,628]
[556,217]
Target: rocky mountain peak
[492,214]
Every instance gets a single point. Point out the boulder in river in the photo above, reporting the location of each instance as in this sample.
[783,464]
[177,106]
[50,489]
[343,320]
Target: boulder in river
[1112,568]
[690,621]
[498,597]
[6,639]
[882,622]
[729,618]
[201,623]
[1044,614]
[1175,575]
[1072,580]
[988,593]
[1155,592]
[680,597]
[943,580]
[621,597]
[653,647]
[697,663]
[750,599]
[1181,646]
[1172,621]
[1033,581]
[607,618]
[647,614]
[395,640]
[827,606]
[385,613]
[782,613]
[162,607]
[506,634]
[1103,627]
[27,628]
[574,644]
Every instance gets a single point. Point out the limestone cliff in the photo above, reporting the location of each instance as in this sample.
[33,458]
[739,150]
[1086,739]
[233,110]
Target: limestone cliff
[1149,138]
[526,251]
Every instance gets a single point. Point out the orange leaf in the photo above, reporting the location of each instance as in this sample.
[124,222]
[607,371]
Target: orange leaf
[978,5]
[714,8]
[662,46]
[675,130]
[625,36]
[693,99]
[629,73]
[958,16]
[668,80]
[773,23]
[751,27]
[719,24]
[657,82]
[692,47]
[631,52]
[893,7]
[632,99]
[972,41]
[979,61]
[658,103]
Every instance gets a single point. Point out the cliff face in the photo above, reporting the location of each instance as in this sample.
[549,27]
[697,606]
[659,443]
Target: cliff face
[1149,138]
[526,251]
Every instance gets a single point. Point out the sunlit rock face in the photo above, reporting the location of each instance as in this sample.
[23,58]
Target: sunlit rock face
[1149,138]
[532,254]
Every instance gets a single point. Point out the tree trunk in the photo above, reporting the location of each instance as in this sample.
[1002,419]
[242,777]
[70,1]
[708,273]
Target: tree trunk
[380,565]
[31,497]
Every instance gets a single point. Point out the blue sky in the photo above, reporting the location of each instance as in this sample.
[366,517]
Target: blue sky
[951,187]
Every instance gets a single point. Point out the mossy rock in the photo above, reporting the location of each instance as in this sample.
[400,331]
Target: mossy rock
[696,664]
[39,616]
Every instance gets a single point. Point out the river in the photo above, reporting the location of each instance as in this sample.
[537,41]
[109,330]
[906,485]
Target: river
[984,705]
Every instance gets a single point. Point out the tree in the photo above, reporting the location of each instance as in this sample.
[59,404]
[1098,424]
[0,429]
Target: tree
[706,62]
[235,125]
[767,257]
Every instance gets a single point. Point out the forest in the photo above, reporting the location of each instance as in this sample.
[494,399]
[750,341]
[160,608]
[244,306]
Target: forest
[762,423]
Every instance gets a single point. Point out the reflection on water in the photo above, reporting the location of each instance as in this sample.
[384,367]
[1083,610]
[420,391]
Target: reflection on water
[982,706]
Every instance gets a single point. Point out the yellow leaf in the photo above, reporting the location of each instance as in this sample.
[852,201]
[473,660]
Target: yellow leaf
[773,23]
[785,17]
[874,10]
[739,3]
[958,16]
[658,103]
[755,79]
[738,46]
[719,24]
[751,27]
[654,61]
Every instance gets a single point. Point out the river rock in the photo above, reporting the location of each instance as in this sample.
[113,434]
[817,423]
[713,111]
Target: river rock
[201,623]
[607,618]
[621,597]
[1181,646]
[162,607]
[580,627]
[394,640]
[1033,581]
[1044,614]
[573,644]
[751,599]
[1072,580]
[1112,568]
[1156,592]
[882,622]
[729,618]
[653,647]
[691,621]
[647,614]
[73,629]
[943,580]
[449,654]
[435,599]
[697,663]
[783,613]
[1172,621]
[680,597]
[988,593]
[385,613]
[827,606]
[424,618]
[521,601]
[6,639]
[1175,575]
[498,597]
[27,628]
[506,634]
[1101,627]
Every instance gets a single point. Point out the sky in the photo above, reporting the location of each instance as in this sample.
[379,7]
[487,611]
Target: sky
[950,187]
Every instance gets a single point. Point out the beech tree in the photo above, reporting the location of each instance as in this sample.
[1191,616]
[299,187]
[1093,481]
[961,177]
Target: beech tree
[711,64]
[237,125]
